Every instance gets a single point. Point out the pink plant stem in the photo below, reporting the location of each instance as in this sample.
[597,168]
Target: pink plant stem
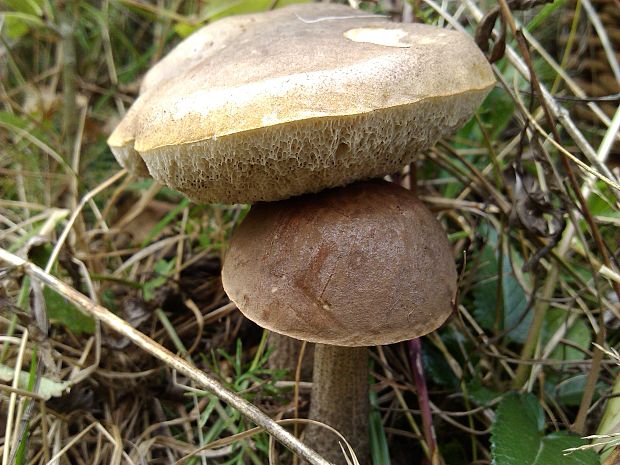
[415,355]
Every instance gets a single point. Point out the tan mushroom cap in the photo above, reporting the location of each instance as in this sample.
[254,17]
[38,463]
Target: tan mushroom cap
[361,265]
[271,105]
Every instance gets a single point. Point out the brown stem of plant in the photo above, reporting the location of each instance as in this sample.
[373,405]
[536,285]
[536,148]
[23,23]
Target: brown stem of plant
[540,310]
[579,426]
[523,370]
[340,399]
[417,367]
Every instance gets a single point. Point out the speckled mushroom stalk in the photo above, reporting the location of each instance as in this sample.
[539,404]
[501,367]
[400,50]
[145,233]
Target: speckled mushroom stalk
[339,399]
[329,268]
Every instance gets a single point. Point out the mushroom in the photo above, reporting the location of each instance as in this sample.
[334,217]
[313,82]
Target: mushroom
[267,106]
[347,268]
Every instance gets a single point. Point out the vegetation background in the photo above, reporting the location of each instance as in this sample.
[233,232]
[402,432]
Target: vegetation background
[528,191]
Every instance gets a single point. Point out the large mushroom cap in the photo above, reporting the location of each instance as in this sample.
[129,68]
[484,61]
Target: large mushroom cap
[361,265]
[271,105]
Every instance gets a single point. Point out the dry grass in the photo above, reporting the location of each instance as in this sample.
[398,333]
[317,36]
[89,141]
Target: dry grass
[528,192]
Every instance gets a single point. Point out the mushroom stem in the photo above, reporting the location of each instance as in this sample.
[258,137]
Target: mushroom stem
[285,355]
[340,399]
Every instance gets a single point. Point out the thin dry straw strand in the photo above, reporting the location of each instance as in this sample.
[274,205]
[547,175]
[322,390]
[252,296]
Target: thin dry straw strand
[210,384]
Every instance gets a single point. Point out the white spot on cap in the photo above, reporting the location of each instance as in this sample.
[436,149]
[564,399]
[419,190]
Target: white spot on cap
[380,36]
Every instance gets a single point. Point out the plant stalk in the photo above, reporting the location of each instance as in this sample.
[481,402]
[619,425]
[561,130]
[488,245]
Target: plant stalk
[417,367]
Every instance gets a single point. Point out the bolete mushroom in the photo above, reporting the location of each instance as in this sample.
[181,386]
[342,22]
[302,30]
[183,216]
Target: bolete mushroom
[267,106]
[347,268]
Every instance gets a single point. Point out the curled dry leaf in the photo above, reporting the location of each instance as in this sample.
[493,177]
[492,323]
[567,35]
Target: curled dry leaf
[533,209]
[484,32]
[484,35]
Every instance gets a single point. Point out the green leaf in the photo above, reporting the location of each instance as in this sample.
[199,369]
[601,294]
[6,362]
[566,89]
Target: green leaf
[481,394]
[379,451]
[16,28]
[48,388]
[495,113]
[485,288]
[543,14]
[11,119]
[206,413]
[517,437]
[21,16]
[436,366]
[30,7]
[579,334]
[570,391]
[513,299]
[184,30]
[171,215]
[600,205]
[221,8]
[27,19]
[162,270]
[554,445]
[610,423]
[61,311]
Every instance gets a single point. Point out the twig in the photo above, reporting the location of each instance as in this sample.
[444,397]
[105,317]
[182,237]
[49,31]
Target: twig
[590,387]
[144,342]
[65,233]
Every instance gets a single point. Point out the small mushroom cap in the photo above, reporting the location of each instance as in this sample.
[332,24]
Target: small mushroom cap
[271,105]
[361,265]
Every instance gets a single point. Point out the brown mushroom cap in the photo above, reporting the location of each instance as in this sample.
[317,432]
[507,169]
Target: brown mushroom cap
[270,105]
[362,265]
